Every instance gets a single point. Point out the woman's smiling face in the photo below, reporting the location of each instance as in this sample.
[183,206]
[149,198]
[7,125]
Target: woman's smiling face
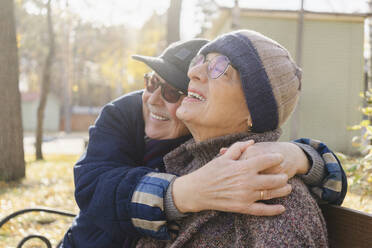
[214,107]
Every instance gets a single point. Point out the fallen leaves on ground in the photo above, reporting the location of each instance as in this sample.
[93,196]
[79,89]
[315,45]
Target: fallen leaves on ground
[358,173]
[48,183]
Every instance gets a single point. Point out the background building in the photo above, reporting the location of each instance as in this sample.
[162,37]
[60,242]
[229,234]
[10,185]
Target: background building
[332,63]
[30,102]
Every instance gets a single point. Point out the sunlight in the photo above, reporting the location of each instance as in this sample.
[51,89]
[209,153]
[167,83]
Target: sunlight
[113,12]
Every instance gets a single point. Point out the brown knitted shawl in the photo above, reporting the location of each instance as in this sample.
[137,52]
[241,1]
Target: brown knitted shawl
[301,225]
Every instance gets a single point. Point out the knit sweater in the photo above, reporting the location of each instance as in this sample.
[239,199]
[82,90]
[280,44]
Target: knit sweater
[301,225]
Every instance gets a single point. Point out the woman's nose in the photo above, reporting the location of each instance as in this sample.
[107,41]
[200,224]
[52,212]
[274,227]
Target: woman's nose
[198,73]
[155,98]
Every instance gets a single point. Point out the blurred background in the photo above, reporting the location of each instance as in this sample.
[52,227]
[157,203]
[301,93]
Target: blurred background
[62,60]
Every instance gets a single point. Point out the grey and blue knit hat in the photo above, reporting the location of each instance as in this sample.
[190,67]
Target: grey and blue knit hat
[271,81]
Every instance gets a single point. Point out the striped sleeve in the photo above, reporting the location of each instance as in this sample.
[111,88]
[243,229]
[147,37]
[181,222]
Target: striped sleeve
[333,187]
[147,205]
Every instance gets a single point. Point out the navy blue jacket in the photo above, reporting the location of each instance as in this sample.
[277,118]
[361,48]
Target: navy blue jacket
[107,175]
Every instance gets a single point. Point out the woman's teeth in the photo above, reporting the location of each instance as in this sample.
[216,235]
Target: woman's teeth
[195,95]
[160,118]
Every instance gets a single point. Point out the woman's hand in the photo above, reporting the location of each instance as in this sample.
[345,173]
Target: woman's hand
[294,162]
[232,185]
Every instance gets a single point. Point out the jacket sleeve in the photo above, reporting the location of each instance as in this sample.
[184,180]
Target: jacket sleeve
[147,205]
[108,173]
[330,183]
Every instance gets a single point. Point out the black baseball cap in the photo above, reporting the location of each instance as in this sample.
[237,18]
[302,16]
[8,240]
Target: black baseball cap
[172,65]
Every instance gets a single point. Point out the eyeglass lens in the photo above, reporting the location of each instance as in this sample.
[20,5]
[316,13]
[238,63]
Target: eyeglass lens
[169,93]
[151,83]
[216,66]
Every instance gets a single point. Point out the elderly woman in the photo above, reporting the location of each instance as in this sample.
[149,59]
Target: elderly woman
[243,86]
[125,153]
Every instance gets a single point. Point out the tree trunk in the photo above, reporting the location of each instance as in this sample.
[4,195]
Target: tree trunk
[45,86]
[173,21]
[12,165]
[369,83]
[235,13]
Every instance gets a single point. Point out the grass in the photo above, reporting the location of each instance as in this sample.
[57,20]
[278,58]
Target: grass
[49,183]
[358,171]
[355,201]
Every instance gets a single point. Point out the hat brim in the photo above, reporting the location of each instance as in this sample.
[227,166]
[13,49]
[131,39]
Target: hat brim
[166,70]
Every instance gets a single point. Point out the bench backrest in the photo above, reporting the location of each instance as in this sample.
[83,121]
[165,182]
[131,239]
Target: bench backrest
[347,227]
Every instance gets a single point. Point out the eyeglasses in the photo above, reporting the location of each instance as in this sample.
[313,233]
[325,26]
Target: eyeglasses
[168,92]
[216,66]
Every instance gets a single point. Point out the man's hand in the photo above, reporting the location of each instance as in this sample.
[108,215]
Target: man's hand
[294,162]
[232,185]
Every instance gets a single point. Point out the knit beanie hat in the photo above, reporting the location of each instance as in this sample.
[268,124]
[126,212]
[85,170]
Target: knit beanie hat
[270,79]
[172,65]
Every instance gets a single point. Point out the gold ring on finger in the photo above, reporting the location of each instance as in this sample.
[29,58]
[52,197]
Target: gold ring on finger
[262,195]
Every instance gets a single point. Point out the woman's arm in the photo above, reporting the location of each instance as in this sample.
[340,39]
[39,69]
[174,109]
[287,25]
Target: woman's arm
[310,159]
[313,161]
[198,190]
[232,185]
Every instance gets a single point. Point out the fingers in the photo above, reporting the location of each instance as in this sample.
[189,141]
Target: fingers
[274,193]
[270,181]
[266,161]
[237,149]
[274,170]
[262,209]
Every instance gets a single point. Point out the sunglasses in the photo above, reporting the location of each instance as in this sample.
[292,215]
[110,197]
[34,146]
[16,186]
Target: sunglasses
[168,92]
[217,66]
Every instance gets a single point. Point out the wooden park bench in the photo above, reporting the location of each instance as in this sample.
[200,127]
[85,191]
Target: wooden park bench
[40,237]
[347,228]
